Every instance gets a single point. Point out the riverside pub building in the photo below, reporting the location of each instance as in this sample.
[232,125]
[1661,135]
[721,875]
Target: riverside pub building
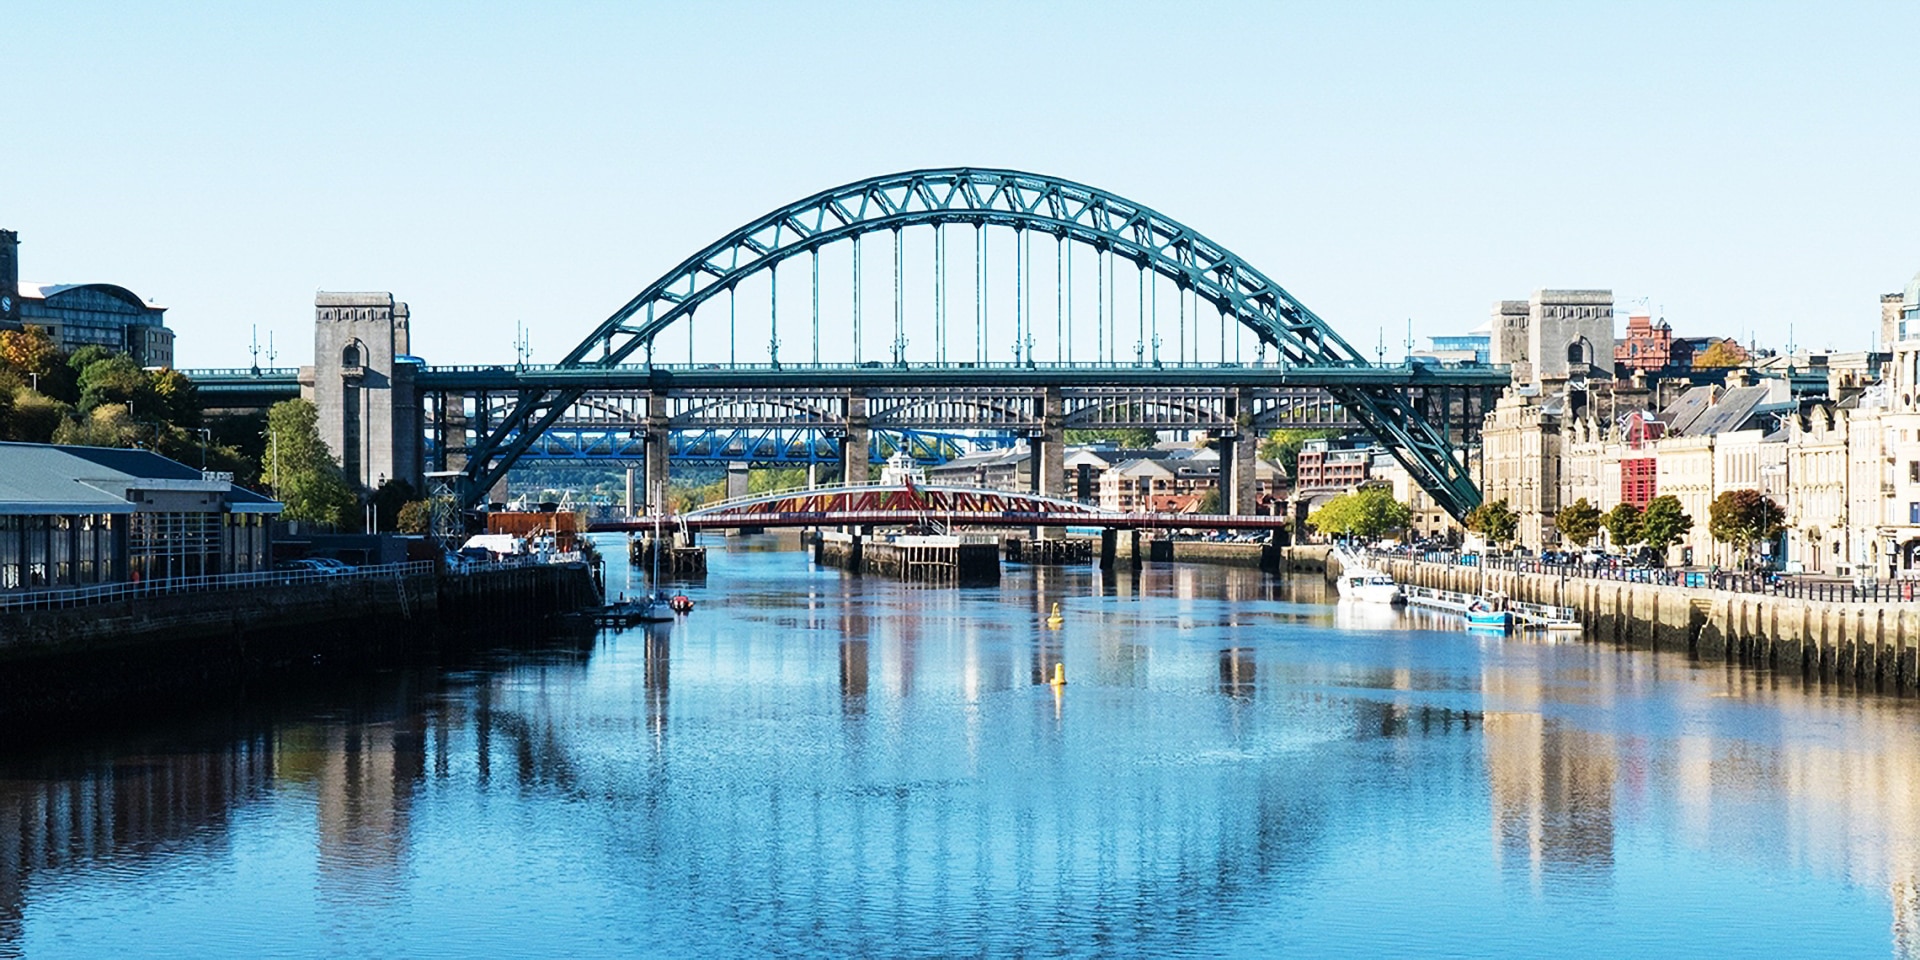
[75,516]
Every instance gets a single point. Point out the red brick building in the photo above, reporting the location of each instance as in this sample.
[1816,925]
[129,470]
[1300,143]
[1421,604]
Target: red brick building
[1648,345]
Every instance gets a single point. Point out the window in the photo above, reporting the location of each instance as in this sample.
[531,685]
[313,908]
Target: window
[1913,471]
[1913,512]
[350,357]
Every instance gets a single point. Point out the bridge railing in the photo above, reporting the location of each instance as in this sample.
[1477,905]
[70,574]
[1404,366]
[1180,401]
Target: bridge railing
[109,592]
[241,372]
[718,506]
[883,365]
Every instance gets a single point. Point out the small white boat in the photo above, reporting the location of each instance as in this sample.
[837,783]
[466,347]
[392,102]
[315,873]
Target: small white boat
[1367,585]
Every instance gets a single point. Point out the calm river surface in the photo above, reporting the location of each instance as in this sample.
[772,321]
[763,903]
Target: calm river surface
[818,765]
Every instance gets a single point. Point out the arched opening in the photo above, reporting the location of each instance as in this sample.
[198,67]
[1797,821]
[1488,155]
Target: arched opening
[351,356]
[1580,351]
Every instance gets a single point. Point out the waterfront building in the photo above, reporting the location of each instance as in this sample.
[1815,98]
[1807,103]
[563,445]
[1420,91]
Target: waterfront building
[1520,461]
[1884,457]
[1008,469]
[1332,466]
[1816,481]
[76,315]
[72,516]
[1179,484]
[1426,518]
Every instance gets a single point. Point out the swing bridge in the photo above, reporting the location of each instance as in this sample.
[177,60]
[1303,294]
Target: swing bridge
[937,312]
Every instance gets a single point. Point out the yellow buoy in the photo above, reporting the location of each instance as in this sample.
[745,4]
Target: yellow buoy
[1054,619]
[1059,675]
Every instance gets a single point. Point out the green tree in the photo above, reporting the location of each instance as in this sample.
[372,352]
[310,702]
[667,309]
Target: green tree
[36,416]
[107,425]
[1496,522]
[1130,438]
[1283,447]
[118,379]
[1664,523]
[415,517]
[1366,513]
[1579,521]
[1622,524]
[1209,502]
[1743,518]
[301,469]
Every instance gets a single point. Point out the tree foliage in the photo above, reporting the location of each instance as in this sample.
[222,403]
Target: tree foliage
[1578,522]
[1366,513]
[1494,521]
[303,472]
[1664,523]
[1622,524]
[1744,517]
[1721,353]
[416,516]
[1129,438]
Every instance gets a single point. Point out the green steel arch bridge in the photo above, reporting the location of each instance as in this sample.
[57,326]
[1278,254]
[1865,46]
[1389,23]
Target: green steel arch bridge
[962,299]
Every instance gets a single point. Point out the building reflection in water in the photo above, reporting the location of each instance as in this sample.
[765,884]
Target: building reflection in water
[1238,676]
[130,810]
[658,658]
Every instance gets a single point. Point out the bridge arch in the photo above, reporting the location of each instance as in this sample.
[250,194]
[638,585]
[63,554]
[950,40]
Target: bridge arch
[1029,203]
[979,196]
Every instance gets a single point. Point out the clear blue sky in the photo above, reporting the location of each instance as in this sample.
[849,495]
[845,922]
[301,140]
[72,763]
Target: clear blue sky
[1743,166]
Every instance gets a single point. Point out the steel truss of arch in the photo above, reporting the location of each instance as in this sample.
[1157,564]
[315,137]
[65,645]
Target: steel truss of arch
[780,446]
[983,197]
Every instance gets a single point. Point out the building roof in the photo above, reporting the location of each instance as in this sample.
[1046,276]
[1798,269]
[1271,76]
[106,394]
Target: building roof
[40,479]
[1736,406]
[37,479]
[41,291]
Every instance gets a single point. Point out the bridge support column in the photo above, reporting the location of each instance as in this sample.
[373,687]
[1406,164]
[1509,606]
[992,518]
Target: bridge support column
[1050,470]
[853,449]
[1237,455]
[1109,545]
[738,480]
[657,443]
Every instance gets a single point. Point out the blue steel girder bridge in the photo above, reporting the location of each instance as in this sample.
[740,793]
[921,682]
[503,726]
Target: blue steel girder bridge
[966,301]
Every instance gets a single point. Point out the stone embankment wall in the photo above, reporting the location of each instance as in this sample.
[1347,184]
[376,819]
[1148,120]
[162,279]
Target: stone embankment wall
[68,663]
[1868,643]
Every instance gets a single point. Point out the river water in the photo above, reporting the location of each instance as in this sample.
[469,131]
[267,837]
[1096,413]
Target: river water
[818,765]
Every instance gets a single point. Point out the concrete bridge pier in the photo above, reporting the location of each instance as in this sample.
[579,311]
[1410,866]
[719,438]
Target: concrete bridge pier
[1237,453]
[657,443]
[853,449]
[1050,454]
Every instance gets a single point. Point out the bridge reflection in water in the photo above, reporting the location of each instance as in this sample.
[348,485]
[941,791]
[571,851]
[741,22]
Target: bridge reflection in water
[819,764]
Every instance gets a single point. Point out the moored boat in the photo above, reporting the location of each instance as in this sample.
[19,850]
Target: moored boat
[1368,585]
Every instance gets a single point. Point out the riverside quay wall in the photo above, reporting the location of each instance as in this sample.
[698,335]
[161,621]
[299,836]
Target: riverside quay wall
[87,660]
[1867,643]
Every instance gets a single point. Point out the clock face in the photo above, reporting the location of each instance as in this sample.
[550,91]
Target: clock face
[6,304]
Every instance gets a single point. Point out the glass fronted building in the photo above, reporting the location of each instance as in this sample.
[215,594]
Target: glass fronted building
[72,516]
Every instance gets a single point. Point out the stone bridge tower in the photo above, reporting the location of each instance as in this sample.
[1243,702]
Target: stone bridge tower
[362,382]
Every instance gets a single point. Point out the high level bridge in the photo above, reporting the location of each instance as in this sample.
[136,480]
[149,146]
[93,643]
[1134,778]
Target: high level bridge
[967,302]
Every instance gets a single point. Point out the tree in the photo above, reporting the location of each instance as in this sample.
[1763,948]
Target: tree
[1622,524]
[302,470]
[1367,513]
[1209,502]
[1578,522]
[116,378]
[1494,521]
[1130,438]
[1664,523]
[415,517]
[1744,517]
[29,351]
[1722,353]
